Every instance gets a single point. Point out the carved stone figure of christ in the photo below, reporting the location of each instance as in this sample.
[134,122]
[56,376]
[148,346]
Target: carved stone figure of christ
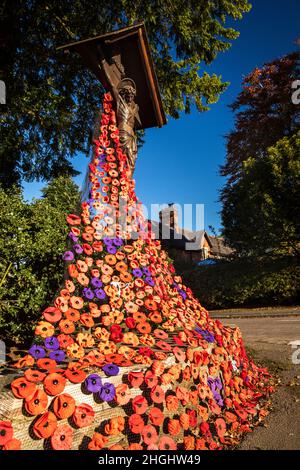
[127,118]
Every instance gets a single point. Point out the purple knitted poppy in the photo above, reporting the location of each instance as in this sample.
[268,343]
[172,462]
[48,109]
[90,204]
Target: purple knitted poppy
[88,293]
[107,392]
[110,369]
[146,271]
[58,355]
[149,281]
[100,294]
[51,343]
[68,256]
[111,249]
[137,272]
[38,352]
[117,241]
[93,383]
[73,237]
[78,248]
[96,282]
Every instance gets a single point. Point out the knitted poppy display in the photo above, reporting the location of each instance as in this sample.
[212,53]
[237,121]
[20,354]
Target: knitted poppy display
[126,357]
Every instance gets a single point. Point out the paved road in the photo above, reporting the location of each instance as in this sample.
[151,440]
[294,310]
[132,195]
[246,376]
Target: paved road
[269,340]
[273,331]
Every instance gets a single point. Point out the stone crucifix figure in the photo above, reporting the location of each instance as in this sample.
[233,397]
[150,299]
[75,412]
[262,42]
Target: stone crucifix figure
[127,111]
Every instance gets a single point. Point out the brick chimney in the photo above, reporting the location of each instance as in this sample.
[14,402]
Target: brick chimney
[169,216]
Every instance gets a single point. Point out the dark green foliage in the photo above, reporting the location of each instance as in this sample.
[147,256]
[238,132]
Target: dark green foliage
[52,98]
[32,240]
[246,283]
[261,210]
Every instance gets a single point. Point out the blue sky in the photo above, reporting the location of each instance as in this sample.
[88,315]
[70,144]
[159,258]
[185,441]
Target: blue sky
[180,162]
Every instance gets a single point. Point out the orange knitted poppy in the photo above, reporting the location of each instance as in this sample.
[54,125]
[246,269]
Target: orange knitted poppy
[72,314]
[75,376]
[149,435]
[174,427]
[36,403]
[62,437]
[166,443]
[83,415]
[54,384]
[35,376]
[136,423]
[66,326]
[22,388]
[157,394]
[45,425]
[172,403]
[63,406]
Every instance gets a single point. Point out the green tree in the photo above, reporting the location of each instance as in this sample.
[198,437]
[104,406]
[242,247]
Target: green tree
[261,211]
[265,113]
[32,240]
[52,98]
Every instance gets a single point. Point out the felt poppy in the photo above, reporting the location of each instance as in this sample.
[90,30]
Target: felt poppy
[76,302]
[63,406]
[184,420]
[151,379]
[93,383]
[54,384]
[46,364]
[172,403]
[160,334]
[164,346]
[62,437]
[44,329]
[158,368]
[107,392]
[110,369]
[115,426]
[37,351]
[83,415]
[220,426]
[157,394]
[73,219]
[156,416]
[179,354]
[136,378]
[139,404]
[189,443]
[66,326]
[45,425]
[36,403]
[13,444]
[22,388]
[167,443]
[52,314]
[150,304]
[87,320]
[193,417]
[72,314]
[143,327]
[136,423]
[98,441]
[155,317]
[65,341]
[149,435]
[139,317]
[33,375]
[174,427]
[6,432]
[75,376]
[123,394]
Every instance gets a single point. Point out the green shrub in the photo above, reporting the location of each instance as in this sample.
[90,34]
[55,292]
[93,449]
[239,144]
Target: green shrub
[246,282]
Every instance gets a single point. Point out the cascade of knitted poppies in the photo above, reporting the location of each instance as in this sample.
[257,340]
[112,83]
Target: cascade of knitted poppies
[125,331]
